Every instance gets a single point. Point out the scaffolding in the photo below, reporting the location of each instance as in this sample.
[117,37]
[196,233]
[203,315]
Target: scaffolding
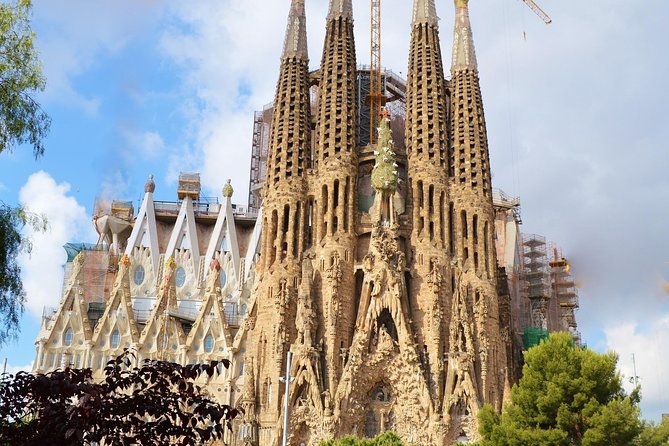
[394,87]
[395,102]
[98,271]
[564,292]
[123,210]
[535,274]
[189,186]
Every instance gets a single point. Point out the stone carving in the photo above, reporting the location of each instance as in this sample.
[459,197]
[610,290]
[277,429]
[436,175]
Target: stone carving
[304,321]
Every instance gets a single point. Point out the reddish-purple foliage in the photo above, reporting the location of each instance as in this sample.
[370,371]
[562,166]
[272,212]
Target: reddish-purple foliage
[154,404]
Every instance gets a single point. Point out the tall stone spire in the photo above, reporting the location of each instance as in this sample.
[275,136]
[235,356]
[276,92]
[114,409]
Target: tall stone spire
[424,11]
[464,55]
[427,153]
[340,8]
[471,228]
[283,214]
[295,44]
[336,161]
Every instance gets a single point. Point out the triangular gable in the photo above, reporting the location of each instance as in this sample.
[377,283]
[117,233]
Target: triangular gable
[146,231]
[212,304]
[225,228]
[118,312]
[73,309]
[307,385]
[166,331]
[184,234]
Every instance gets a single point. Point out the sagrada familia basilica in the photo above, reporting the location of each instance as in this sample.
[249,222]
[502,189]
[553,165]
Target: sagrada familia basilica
[376,266]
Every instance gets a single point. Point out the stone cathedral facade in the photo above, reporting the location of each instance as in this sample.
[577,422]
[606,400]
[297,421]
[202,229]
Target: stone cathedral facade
[396,313]
[393,315]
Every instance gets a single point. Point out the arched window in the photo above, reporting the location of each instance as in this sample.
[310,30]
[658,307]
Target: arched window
[243,310]
[138,275]
[209,343]
[224,278]
[67,337]
[180,277]
[115,339]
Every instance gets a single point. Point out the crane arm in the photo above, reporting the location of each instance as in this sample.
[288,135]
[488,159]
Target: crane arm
[538,11]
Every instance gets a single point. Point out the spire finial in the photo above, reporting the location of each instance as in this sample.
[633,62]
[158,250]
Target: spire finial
[464,55]
[340,8]
[424,11]
[150,185]
[295,44]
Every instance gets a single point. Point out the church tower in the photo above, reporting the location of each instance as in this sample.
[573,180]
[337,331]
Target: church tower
[427,152]
[283,224]
[476,356]
[335,187]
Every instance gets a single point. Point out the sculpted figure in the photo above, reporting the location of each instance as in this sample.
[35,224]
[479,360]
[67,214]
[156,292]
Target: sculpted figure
[304,319]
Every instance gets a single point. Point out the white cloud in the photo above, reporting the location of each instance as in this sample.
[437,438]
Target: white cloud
[2,187]
[648,343]
[13,370]
[42,271]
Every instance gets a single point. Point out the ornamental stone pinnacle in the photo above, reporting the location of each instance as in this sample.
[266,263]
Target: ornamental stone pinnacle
[295,44]
[228,190]
[150,186]
[424,11]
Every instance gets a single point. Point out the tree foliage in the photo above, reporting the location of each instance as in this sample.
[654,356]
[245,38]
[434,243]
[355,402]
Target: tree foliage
[567,396]
[12,243]
[155,403]
[385,439]
[655,435]
[22,119]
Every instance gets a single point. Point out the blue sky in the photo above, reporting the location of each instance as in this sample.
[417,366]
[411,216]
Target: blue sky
[576,114]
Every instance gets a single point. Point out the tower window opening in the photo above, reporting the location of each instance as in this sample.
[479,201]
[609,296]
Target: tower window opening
[486,252]
[451,227]
[475,228]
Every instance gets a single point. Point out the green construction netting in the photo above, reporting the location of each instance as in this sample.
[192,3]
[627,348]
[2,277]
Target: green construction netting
[72,249]
[533,336]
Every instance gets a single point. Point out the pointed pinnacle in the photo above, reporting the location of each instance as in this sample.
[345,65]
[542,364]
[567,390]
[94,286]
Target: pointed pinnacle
[424,11]
[295,44]
[464,54]
[340,8]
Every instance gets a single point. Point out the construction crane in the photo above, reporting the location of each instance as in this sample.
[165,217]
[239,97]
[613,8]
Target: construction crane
[376,98]
[538,11]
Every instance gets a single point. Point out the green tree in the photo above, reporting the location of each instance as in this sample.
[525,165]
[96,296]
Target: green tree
[12,243]
[22,120]
[567,396]
[386,439]
[655,435]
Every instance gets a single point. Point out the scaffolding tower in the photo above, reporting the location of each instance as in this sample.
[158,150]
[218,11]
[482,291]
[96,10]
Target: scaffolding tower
[535,272]
[563,288]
